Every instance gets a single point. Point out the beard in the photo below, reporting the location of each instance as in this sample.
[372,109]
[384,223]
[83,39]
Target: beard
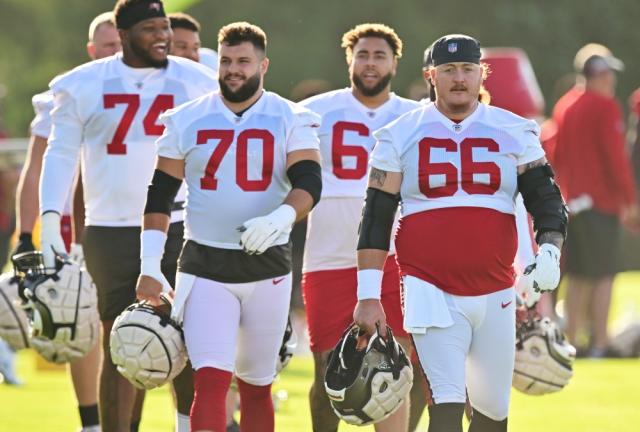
[144,55]
[371,91]
[244,92]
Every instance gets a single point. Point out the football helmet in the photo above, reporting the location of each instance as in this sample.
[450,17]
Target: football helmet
[289,343]
[544,359]
[368,385]
[14,326]
[147,346]
[61,305]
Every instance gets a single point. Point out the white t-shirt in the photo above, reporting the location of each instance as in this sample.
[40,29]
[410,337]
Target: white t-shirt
[447,164]
[346,139]
[110,111]
[235,167]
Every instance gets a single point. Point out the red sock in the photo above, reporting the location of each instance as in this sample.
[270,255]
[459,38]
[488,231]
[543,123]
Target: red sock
[256,408]
[208,410]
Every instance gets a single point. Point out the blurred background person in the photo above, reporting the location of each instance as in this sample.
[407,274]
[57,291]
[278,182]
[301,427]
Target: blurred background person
[103,42]
[594,173]
[186,36]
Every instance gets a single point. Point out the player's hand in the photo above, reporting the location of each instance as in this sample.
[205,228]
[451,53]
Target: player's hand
[152,282]
[259,234]
[630,218]
[77,254]
[524,287]
[544,273]
[50,239]
[367,313]
[24,244]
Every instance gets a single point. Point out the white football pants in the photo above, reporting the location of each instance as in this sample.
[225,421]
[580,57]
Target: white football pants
[474,355]
[237,327]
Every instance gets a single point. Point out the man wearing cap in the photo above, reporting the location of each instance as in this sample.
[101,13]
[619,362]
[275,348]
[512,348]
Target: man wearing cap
[107,113]
[594,173]
[457,165]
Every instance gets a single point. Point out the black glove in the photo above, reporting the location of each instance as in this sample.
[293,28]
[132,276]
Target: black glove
[25,244]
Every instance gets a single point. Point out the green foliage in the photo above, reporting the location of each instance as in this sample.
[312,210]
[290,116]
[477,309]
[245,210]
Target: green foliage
[40,39]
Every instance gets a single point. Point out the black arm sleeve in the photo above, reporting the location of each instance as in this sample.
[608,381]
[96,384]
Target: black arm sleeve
[162,191]
[378,215]
[543,200]
[307,175]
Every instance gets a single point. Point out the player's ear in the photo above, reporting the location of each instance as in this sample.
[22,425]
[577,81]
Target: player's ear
[394,66]
[264,65]
[91,50]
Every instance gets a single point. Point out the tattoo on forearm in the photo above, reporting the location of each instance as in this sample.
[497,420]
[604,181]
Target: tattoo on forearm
[378,177]
[553,237]
[534,164]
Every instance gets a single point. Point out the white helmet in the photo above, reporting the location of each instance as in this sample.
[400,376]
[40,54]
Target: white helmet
[62,307]
[14,326]
[544,359]
[367,386]
[147,346]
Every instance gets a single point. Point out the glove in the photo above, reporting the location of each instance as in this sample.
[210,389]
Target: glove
[25,244]
[50,239]
[259,234]
[544,274]
[77,254]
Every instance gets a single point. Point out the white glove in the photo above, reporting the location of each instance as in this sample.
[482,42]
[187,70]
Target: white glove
[50,239]
[77,254]
[544,274]
[524,287]
[259,234]
[151,251]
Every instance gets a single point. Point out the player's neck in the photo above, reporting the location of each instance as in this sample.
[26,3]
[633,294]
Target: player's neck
[241,107]
[133,61]
[456,113]
[371,101]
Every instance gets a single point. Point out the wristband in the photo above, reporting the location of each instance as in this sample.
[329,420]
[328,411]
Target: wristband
[369,284]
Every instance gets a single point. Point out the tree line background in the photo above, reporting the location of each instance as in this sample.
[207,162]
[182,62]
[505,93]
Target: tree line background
[42,38]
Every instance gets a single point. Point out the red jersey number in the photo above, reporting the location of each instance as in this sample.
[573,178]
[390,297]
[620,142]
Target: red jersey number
[225,138]
[161,103]
[468,168]
[339,150]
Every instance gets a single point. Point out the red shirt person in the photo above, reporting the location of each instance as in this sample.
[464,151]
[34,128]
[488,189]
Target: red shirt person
[595,176]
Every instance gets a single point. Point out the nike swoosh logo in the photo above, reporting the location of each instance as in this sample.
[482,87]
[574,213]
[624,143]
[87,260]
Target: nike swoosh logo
[504,305]
[277,281]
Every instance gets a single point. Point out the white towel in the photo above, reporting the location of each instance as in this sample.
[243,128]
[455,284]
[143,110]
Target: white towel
[184,283]
[424,306]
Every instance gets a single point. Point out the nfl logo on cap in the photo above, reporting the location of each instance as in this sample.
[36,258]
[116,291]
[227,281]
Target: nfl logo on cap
[155,6]
[453,47]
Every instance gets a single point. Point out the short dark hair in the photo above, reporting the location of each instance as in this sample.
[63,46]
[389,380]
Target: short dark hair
[239,32]
[351,38]
[184,21]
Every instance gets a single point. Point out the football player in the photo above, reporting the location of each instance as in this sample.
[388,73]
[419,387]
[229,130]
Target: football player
[103,42]
[186,36]
[349,117]
[109,109]
[251,164]
[457,165]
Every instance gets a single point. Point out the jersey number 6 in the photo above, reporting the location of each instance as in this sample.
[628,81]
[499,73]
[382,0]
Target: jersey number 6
[225,137]
[468,168]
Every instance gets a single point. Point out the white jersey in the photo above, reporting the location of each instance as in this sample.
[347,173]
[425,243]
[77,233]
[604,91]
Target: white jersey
[346,139]
[41,127]
[447,164]
[111,111]
[235,166]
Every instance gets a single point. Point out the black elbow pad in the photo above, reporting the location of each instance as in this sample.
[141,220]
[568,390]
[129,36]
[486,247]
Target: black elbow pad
[161,193]
[378,215]
[307,175]
[543,200]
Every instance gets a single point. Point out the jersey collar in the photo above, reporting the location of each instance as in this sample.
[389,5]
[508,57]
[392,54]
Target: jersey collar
[453,126]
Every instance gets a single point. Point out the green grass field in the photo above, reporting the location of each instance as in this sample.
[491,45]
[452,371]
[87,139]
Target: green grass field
[604,395]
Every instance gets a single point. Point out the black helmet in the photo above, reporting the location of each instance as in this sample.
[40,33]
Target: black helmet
[366,386]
